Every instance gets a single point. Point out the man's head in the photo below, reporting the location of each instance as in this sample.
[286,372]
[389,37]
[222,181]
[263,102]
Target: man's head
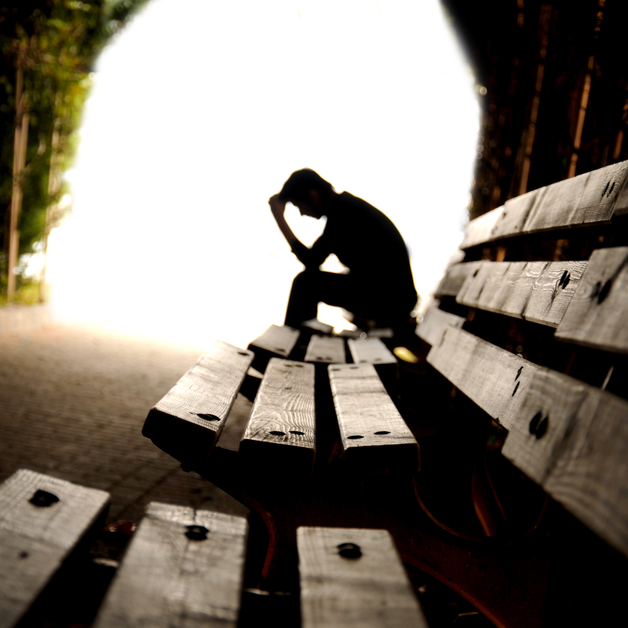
[308,191]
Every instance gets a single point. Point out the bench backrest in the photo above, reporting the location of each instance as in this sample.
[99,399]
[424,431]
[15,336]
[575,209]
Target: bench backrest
[532,326]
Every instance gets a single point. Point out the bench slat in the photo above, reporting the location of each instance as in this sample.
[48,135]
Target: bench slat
[455,276]
[435,322]
[373,433]
[366,587]
[481,228]
[482,286]
[36,539]
[182,568]
[326,350]
[572,439]
[514,215]
[588,198]
[495,379]
[598,312]
[370,351]
[283,416]
[539,292]
[187,422]
[318,326]
[276,341]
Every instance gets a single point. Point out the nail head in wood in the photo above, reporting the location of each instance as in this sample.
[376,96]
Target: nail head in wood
[349,550]
[43,499]
[196,532]
[538,425]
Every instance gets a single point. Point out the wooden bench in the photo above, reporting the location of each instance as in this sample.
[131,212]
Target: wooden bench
[183,567]
[486,456]
[513,392]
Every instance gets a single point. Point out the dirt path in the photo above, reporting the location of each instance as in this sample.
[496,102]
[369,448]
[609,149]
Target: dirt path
[72,404]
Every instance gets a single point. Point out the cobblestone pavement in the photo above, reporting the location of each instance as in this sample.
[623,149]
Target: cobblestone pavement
[72,404]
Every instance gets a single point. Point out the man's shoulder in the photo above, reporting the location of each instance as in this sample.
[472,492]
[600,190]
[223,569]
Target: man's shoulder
[349,202]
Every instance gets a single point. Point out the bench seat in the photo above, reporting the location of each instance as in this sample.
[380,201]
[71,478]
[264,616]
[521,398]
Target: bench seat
[183,567]
[488,444]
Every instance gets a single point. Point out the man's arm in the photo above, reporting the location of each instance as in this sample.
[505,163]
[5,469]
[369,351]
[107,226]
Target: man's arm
[310,258]
[278,209]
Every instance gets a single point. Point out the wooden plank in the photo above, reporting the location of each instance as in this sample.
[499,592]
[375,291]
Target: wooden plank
[435,322]
[512,295]
[374,436]
[495,379]
[572,439]
[598,311]
[480,229]
[276,341]
[187,422]
[482,283]
[516,211]
[588,198]
[318,326]
[282,426]
[381,332]
[455,276]
[41,520]
[182,568]
[536,291]
[553,291]
[370,351]
[621,205]
[354,577]
[326,350]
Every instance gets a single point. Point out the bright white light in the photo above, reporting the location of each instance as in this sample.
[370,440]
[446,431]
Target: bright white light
[199,113]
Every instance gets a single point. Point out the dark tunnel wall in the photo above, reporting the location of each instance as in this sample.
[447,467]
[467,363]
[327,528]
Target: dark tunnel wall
[556,100]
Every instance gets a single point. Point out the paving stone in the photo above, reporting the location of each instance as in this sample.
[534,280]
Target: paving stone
[73,402]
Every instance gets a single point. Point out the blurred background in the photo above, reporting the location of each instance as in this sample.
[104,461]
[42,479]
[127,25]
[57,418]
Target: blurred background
[140,140]
[196,112]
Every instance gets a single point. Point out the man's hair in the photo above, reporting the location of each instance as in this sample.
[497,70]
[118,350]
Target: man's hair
[299,183]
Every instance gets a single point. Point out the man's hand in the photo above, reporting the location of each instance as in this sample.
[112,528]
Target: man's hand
[277,206]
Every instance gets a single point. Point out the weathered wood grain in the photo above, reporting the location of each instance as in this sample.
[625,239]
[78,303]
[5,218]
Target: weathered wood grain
[482,284]
[572,439]
[513,293]
[370,351]
[374,436]
[621,205]
[282,426]
[435,322]
[553,291]
[41,520]
[598,312]
[354,577]
[480,229]
[183,568]
[514,215]
[326,350]
[455,276]
[276,341]
[187,422]
[535,291]
[495,379]
[588,198]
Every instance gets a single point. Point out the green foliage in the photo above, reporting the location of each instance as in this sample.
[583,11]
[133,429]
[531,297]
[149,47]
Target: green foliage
[59,42]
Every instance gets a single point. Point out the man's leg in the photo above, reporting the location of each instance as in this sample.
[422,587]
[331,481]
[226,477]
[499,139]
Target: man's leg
[312,287]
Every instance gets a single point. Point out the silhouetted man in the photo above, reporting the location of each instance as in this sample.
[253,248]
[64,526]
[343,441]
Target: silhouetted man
[378,289]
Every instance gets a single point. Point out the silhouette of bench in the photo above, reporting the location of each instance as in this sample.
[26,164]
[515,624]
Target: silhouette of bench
[182,567]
